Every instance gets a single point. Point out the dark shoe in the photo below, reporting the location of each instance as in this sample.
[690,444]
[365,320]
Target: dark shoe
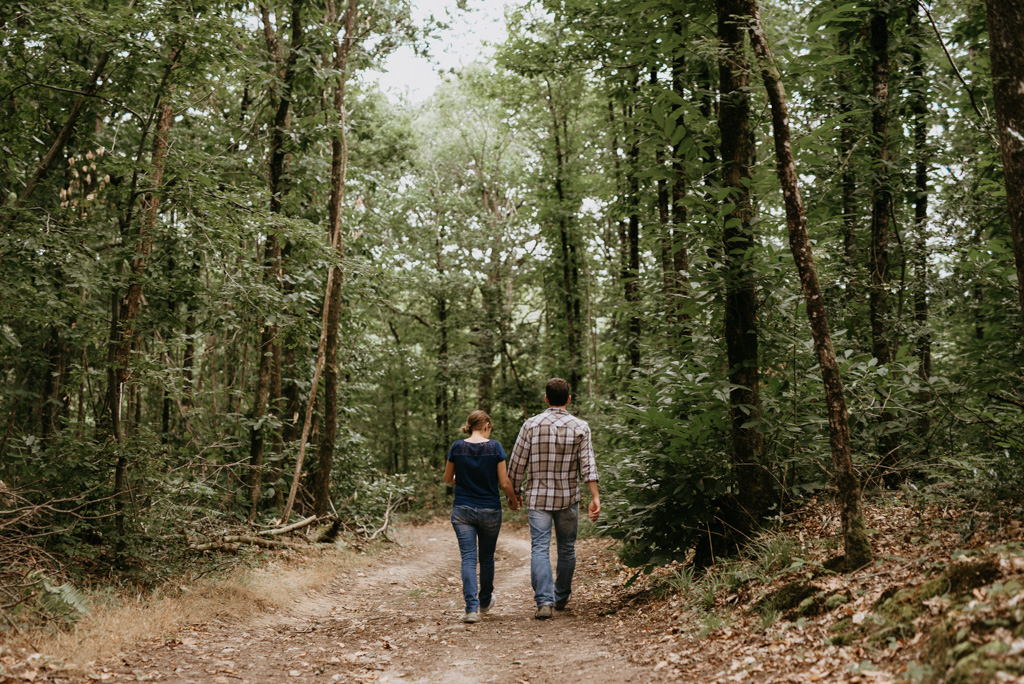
[543,613]
[561,603]
[486,609]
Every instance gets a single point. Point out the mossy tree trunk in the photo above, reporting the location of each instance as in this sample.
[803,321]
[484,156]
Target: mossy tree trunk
[857,546]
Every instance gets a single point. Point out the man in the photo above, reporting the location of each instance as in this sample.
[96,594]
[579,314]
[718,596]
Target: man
[553,451]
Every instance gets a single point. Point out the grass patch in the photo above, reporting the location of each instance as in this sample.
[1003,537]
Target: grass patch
[712,623]
[115,624]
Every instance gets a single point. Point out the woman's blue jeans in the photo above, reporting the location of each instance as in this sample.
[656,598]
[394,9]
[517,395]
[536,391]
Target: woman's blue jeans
[473,525]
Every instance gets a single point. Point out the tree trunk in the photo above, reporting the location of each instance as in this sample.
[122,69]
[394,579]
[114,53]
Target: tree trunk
[188,361]
[569,250]
[1006,33]
[270,353]
[923,345]
[339,168]
[680,259]
[665,244]
[756,492]
[292,428]
[849,191]
[54,399]
[486,339]
[857,546]
[881,192]
[881,208]
[441,395]
[631,245]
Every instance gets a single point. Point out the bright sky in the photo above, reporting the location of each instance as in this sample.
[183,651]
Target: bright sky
[415,78]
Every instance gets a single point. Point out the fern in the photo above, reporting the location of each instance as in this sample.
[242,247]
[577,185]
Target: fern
[64,598]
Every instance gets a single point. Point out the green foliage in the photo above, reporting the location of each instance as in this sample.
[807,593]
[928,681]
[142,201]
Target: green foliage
[665,488]
[487,241]
[63,599]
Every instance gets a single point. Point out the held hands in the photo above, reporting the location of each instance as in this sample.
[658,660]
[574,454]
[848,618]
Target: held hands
[595,508]
[514,503]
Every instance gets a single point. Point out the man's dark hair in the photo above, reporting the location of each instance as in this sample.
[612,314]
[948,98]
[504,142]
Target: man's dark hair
[557,391]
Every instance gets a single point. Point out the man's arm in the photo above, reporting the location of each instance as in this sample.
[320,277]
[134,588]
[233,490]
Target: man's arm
[517,462]
[595,501]
[506,486]
[588,472]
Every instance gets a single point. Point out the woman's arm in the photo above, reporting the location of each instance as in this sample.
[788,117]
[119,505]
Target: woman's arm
[449,473]
[506,486]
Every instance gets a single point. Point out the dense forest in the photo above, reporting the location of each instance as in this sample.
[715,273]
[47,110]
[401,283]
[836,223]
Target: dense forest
[776,248]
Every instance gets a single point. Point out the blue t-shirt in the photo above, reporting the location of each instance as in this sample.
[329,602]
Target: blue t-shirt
[476,473]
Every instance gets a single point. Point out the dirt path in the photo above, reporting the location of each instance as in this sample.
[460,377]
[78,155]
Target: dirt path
[396,618]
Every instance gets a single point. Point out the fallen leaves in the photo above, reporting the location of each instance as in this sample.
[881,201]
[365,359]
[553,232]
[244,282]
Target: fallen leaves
[677,634]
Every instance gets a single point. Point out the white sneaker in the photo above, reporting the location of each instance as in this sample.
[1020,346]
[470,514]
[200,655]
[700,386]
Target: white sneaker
[471,617]
[486,609]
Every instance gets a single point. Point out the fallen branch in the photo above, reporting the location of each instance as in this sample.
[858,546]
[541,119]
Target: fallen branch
[291,528]
[232,542]
[387,521]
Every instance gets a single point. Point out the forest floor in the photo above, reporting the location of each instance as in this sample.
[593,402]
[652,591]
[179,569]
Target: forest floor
[944,601]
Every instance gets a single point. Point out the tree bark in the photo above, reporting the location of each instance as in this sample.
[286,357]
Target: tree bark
[668,276]
[849,190]
[1006,34]
[55,401]
[857,546]
[486,339]
[631,245]
[881,208]
[270,352]
[756,491]
[881,196]
[441,395]
[569,248]
[339,169]
[923,345]
[680,215]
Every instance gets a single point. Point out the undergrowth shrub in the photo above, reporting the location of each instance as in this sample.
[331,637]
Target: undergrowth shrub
[661,489]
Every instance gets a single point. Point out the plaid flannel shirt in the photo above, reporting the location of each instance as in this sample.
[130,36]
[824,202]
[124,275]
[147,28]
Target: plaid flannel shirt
[553,451]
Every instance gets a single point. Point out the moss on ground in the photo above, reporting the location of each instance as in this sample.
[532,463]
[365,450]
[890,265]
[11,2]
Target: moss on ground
[984,665]
[788,596]
[894,614]
[906,604]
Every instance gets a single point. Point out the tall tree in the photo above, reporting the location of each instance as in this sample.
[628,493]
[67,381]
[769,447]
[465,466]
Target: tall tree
[756,491]
[919,110]
[270,347]
[568,242]
[1006,35]
[339,168]
[858,548]
[678,258]
[125,308]
[881,210]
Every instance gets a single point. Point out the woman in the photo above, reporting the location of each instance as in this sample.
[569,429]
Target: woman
[476,466]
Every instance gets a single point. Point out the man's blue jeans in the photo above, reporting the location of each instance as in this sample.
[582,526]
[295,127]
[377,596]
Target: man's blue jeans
[565,522]
[472,524]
